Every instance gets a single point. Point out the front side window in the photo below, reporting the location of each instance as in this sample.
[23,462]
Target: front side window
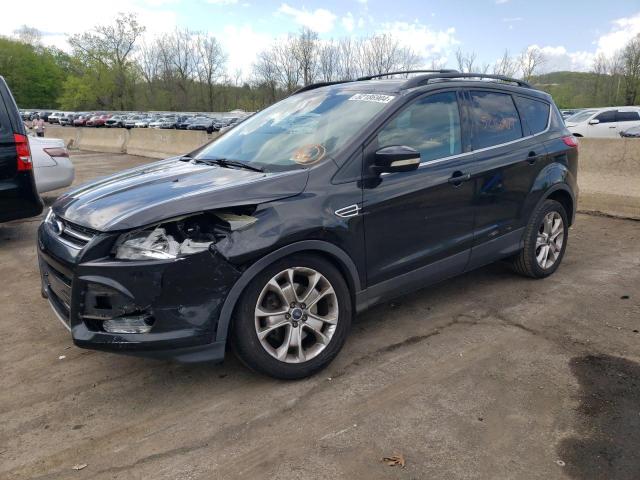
[607,117]
[495,119]
[535,113]
[299,131]
[430,125]
[627,117]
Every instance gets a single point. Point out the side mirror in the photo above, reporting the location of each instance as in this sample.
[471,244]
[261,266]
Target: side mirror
[595,121]
[396,158]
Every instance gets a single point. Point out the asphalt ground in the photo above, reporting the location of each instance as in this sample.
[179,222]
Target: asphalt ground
[486,376]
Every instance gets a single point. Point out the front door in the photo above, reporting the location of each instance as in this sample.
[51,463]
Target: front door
[606,127]
[419,224]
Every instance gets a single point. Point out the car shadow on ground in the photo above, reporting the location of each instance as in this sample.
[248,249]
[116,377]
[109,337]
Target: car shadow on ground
[608,439]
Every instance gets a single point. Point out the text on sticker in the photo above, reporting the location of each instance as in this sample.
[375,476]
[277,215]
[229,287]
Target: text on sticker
[372,97]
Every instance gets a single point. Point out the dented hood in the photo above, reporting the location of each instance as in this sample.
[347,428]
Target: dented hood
[170,188]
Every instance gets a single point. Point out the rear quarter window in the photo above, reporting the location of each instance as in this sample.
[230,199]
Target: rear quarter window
[535,113]
[628,116]
[495,119]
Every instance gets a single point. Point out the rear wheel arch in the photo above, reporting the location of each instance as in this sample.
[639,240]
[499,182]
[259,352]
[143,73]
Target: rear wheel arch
[564,198]
[318,248]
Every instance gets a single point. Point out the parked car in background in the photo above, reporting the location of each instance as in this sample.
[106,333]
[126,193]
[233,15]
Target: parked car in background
[332,200]
[55,117]
[97,120]
[633,132]
[203,123]
[116,121]
[131,120]
[18,194]
[67,119]
[186,121]
[568,112]
[603,122]
[81,120]
[44,115]
[164,122]
[144,122]
[52,167]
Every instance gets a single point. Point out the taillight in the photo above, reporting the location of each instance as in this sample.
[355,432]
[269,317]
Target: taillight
[24,154]
[57,152]
[570,141]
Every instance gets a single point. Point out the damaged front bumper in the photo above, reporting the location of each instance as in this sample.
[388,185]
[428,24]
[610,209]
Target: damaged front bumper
[174,303]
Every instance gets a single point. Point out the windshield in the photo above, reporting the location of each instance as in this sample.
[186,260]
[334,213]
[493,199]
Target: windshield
[299,131]
[580,116]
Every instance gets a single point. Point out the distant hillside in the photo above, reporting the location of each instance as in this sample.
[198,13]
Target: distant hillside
[581,89]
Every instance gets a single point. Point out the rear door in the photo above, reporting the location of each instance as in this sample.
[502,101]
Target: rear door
[18,195]
[627,119]
[508,157]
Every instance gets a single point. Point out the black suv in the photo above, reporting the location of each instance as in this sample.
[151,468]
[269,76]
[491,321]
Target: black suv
[18,195]
[339,197]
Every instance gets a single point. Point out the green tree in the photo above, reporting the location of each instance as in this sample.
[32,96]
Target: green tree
[34,74]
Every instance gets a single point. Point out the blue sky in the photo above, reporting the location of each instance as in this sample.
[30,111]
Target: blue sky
[569,32]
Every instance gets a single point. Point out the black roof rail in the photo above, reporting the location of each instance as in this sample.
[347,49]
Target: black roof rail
[403,72]
[425,79]
[313,86]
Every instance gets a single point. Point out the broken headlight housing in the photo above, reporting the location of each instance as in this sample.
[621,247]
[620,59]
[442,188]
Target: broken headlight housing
[179,237]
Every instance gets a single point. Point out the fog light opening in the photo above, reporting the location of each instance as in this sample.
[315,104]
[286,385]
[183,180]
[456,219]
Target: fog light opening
[129,324]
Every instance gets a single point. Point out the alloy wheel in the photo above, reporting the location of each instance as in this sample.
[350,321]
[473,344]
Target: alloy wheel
[296,314]
[550,240]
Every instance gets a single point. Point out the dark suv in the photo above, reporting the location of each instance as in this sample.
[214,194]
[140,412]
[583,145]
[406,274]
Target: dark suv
[339,197]
[18,195]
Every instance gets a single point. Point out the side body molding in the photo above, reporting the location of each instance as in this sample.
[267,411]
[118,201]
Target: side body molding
[248,275]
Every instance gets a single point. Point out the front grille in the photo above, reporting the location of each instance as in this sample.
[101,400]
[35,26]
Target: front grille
[72,234]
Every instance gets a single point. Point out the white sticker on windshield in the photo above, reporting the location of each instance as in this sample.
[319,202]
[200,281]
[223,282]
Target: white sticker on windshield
[372,97]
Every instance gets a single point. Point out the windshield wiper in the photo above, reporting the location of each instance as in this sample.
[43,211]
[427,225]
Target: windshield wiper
[223,162]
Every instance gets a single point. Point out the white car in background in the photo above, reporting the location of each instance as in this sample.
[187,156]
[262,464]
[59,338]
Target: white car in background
[603,122]
[51,164]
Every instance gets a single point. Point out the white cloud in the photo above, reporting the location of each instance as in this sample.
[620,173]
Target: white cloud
[56,23]
[242,44]
[624,29]
[320,20]
[558,58]
[501,2]
[348,22]
[428,43]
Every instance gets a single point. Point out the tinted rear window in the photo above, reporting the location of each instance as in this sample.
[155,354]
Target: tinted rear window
[495,119]
[535,113]
[628,116]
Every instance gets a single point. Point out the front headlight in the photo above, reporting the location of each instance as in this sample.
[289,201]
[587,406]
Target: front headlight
[179,237]
[165,241]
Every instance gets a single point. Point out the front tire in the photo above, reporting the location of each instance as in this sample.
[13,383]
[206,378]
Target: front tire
[293,318]
[545,241]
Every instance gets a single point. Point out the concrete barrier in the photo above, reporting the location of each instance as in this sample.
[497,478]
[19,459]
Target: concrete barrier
[154,143]
[608,175]
[111,140]
[68,134]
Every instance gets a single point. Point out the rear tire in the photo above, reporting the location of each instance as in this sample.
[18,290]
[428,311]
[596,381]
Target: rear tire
[545,241]
[293,318]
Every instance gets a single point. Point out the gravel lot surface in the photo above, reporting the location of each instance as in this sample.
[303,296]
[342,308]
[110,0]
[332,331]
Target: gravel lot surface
[489,376]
